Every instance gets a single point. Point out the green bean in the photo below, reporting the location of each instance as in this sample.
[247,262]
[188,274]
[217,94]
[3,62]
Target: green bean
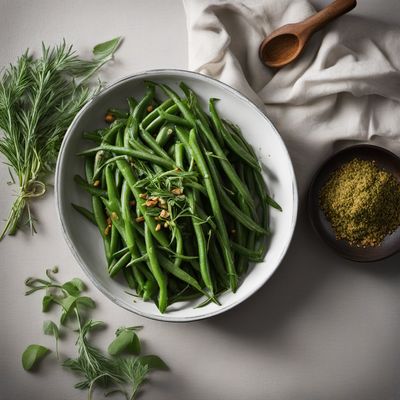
[231,143]
[252,254]
[132,104]
[201,164]
[179,155]
[173,119]
[130,279]
[171,150]
[130,236]
[94,191]
[218,263]
[226,165]
[159,120]
[241,233]
[200,114]
[118,177]
[201,245]
[134,154]
[85,212]
[155,113]
[89,169]
[109,137]
[156,270]
[180,273]
[187,114]
[131,130]
[99,216]
[140,109]
[114,242]
[152,143]
[138,260]
[164,134]
[179,246]
[229,206]
[121,263]
[126,171]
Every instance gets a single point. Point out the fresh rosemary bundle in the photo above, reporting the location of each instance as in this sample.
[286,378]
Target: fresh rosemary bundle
[38,100]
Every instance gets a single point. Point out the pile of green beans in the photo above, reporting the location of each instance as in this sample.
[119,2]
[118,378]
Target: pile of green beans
[178,197]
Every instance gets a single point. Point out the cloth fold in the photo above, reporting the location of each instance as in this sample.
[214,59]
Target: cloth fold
[345,87]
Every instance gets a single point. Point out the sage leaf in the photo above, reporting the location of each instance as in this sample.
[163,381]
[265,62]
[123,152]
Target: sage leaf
[153,362]
[85,301]
[32,355]
[71,289]
[126,341]
[50,328]
[78,283]
[74,287]
[46,303]
[106,49]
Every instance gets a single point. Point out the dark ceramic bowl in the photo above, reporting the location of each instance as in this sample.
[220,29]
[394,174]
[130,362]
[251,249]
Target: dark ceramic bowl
[384,159]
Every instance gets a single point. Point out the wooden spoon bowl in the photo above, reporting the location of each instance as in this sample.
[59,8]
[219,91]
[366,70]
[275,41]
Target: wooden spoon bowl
[285,44]
[384,159]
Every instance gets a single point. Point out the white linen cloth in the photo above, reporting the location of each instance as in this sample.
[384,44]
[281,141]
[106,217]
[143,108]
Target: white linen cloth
[345,87]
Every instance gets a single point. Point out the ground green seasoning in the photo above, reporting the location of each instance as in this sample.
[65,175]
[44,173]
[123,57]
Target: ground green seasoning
[362,202]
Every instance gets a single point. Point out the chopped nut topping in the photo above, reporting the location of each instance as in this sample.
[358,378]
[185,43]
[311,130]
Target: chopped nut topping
[109,118]
[96,183]
[108,221]
[162,201]
[107,230]
[140,219]
[149,108]
[177,191]
[164,214]
[143,195]
[151,203]
[158,227]
[166,224]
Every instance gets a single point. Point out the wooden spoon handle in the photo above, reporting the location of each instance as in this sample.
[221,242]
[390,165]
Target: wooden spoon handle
[326,15]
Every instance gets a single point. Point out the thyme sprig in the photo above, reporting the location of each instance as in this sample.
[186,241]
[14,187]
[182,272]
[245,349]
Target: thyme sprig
[38,100]
[124,372]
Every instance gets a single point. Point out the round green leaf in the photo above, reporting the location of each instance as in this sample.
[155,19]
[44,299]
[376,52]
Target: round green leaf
[32,355]
[153,362]
[122,342]
[50,328]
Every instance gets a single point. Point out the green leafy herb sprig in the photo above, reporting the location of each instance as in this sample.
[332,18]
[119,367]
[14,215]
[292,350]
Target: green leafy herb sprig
[38,100]
[123,371]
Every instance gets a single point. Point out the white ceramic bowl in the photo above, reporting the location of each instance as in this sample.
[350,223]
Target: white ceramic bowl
[83,238]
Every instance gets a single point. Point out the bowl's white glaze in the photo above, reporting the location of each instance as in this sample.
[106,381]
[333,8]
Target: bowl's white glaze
[83,238]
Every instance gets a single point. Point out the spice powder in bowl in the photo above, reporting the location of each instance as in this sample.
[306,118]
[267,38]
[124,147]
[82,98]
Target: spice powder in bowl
[362,203]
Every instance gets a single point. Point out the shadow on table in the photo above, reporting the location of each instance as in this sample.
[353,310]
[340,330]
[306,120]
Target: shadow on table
[307,266]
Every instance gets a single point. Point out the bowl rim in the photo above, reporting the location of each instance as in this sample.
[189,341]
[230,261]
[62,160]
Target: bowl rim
[183,73]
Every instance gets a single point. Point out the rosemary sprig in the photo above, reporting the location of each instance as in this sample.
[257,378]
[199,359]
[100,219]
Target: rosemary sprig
[38,100]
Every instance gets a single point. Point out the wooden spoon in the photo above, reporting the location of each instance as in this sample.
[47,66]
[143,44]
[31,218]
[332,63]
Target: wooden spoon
[285,44]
